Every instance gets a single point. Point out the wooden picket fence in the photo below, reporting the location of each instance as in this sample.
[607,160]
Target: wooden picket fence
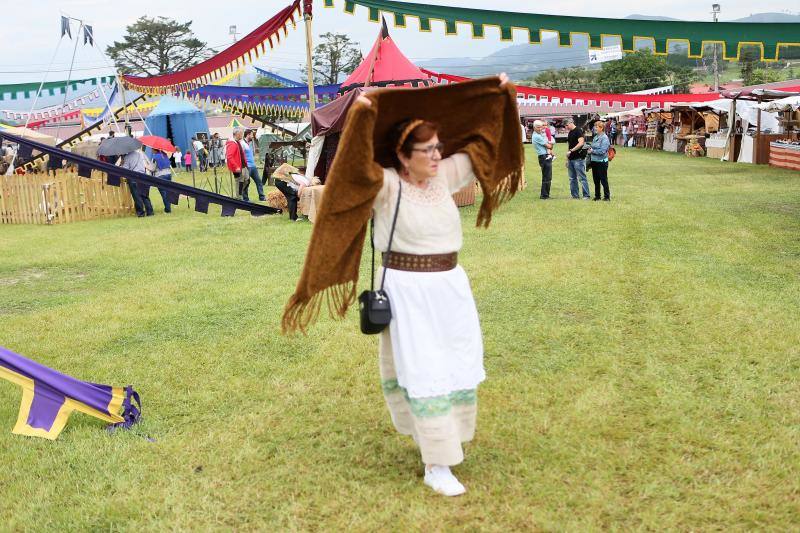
[61,198]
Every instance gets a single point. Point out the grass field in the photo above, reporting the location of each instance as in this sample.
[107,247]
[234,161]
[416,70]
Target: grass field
[643,363]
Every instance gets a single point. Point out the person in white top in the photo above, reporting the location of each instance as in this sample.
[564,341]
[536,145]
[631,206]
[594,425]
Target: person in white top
[177,157]
[431,355]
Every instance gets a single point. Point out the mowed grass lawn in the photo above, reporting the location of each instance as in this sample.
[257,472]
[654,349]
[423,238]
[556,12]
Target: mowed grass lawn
[642,358]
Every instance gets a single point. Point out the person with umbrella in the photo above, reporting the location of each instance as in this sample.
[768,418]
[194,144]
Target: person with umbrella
[132,159]
[161,161]
[138,162]
[164,172]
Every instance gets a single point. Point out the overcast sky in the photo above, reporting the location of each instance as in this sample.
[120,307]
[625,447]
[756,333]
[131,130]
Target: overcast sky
[31,36]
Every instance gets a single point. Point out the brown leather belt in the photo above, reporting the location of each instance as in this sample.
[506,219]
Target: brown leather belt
[420,263]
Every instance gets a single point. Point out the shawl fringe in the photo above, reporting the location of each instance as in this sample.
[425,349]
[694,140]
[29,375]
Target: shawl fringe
[300,314]
[503,192]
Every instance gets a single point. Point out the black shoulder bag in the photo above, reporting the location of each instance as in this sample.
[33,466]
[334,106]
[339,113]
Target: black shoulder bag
[374,307]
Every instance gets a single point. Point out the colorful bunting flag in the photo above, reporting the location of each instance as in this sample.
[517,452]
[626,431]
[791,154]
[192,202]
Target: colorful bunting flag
[49,398]
[770,38]
[65,30]
[234,56]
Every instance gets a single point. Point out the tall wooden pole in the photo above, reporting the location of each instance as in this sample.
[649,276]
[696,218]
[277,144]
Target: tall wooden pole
[307,15]
[122,91]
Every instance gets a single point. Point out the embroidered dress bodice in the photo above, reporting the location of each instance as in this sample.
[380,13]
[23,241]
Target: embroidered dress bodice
[428,222]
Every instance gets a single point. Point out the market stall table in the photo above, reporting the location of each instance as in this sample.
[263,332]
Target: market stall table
[784,155]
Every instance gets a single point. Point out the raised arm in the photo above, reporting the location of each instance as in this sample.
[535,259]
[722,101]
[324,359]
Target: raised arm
[457,170]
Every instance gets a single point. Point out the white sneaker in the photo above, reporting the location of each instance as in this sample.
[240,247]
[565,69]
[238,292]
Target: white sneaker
[441,480]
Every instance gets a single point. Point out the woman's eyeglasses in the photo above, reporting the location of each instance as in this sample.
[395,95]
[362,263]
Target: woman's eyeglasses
[428,150]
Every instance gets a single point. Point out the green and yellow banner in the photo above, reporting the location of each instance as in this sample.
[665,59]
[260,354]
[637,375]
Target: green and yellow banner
[770,38]
[15,91]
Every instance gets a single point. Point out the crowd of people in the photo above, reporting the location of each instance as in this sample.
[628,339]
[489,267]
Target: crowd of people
[582,155]
[238,154]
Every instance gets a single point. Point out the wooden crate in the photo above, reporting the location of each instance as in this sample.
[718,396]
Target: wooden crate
[61,198]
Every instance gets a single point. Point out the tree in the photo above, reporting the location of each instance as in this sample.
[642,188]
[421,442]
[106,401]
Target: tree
[336,55]
[573,78]
[681,78]
[749,61]
[636,71]
[155,46]
[642,70]
[264,81]
[762,75]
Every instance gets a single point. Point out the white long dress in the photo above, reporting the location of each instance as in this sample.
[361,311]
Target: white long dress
[431,355]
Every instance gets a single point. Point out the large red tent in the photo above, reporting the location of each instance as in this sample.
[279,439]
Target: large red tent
[385,66]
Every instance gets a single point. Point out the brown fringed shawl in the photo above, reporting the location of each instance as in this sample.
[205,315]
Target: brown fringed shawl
[479,118]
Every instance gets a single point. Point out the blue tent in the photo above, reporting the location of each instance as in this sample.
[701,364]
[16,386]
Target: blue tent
[177,120]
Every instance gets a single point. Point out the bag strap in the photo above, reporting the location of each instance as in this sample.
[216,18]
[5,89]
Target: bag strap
[391,237]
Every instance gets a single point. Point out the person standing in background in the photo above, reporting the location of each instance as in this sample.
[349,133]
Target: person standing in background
[237,162]
[164,172]
[138,162]
[249,153]
[576,161]
[177,159]
[599,161]
[543,146]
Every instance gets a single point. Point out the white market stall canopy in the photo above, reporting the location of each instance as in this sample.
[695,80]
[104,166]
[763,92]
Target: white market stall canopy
[791,103]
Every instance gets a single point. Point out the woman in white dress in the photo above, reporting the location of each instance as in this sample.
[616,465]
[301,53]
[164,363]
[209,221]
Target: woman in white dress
[431,355]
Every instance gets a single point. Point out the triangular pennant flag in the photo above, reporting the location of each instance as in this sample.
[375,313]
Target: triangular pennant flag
[65,27]
[87,35]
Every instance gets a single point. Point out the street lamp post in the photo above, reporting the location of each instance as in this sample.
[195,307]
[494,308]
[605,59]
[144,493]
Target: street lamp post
[232,31]
[715,9]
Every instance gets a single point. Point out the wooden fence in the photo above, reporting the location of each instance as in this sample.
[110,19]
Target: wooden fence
[61,198]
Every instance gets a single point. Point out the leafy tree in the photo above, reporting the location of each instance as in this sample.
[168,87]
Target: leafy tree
[681,78]
[573,78]
[336,55]
[642,70]
[763,75]
[264,81]
[748,62]
[154,46]
[636,71]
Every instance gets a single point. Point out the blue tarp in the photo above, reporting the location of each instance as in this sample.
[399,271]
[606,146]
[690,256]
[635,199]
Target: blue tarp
[177,120]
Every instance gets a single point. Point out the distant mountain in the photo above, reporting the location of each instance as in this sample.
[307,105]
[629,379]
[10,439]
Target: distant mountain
[519,61]
[526,60]
[770,17]
[758,17]
[649,17]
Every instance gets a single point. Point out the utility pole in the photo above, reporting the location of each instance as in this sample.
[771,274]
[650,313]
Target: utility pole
[232,31]
[715,9]
[307,15]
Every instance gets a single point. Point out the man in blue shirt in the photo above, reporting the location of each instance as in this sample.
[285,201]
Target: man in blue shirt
[247,146]
[541,144]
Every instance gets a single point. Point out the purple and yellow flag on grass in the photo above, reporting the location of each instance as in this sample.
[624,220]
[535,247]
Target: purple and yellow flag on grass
[49,397]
